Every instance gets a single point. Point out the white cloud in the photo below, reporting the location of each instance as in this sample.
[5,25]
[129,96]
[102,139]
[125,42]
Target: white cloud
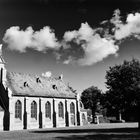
[83,33]
[20,40]
[94,46]
[68,61]
[45,38]
[96,49]
[116,19]
[130,27]
[47,74]
[70,35]
[97,46]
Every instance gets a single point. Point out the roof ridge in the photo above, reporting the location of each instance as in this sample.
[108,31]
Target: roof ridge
[36,76]
[30,74]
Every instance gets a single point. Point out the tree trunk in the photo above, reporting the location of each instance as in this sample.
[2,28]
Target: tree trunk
[93,115]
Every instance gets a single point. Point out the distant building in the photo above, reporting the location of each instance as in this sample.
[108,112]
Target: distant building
[32,101]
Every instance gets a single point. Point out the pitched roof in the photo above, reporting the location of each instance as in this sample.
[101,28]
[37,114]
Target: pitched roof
[33,85]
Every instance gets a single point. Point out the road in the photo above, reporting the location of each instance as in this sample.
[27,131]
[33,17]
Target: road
[113,131]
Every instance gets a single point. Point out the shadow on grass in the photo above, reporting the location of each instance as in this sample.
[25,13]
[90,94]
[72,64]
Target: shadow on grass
[100,137]
[95,134]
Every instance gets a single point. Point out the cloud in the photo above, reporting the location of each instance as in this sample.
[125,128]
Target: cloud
[70,35]
[83,33]
[101,42]
[130,27]
[85,46]
[116,19]
[68,60]
[47,74]
[20,40]
[95,47]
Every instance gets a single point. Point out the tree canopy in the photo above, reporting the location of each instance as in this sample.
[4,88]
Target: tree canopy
[123,83]
[90,97]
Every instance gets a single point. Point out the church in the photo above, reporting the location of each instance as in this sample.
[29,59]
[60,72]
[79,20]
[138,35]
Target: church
[30,101]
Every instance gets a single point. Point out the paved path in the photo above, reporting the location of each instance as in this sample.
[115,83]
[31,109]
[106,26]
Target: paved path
[113,131]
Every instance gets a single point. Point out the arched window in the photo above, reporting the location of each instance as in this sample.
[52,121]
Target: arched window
[83,117]
[72,108]
[18,110]
[61,110]
[48,110]
[34,110]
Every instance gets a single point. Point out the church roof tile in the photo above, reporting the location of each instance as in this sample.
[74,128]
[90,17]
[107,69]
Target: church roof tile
[34,85]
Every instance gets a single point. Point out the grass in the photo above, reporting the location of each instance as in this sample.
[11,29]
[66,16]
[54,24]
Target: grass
[115,131]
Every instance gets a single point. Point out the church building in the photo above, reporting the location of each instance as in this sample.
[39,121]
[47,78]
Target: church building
[34,101]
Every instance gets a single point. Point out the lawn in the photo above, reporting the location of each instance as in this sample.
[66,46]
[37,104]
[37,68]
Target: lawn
[114,131]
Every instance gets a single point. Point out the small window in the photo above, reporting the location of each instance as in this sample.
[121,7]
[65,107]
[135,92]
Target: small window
[18,110]
[48,110]
[38,80]
[54,86]
[60,110]
[34,110]
[26,84]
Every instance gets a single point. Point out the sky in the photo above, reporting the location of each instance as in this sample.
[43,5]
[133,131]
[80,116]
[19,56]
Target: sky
[80,39]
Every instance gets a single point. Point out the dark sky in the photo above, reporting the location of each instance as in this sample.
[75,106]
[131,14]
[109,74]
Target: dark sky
[62,16]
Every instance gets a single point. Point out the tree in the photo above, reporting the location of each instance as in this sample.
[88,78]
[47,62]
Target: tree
[90,98]
[123,83]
